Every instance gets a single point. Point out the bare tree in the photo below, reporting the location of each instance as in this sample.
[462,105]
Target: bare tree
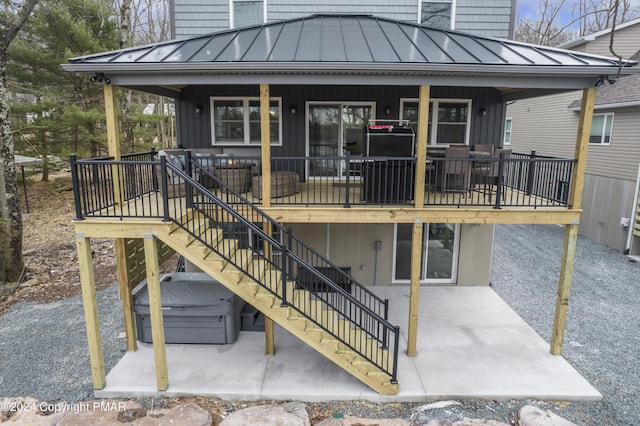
[12,18]
[553,25]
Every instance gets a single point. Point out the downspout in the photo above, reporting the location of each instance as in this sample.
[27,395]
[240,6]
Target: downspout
[634,212]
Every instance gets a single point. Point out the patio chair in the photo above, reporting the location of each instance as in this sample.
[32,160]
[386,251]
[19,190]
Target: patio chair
[456,173]
[487,175]
[484,148]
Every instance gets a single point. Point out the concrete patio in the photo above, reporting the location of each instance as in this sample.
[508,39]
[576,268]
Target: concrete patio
[471,344]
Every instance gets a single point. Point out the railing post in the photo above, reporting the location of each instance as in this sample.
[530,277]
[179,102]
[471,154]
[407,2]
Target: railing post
[154,174]
[348,173]
[386,315]
[286,268]
[188,189]
[76,186]
[165,188]
[396,347]
[531,174]
[500,181]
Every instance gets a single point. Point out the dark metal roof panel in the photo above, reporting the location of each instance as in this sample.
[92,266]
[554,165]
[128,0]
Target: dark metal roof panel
[345,40]
[356,45]
[210,51]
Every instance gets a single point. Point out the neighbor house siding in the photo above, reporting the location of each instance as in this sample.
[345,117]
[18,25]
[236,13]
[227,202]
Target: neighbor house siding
[605,201]
[625,43]
[194,130]
[492,18]
[545,125]
[619,160]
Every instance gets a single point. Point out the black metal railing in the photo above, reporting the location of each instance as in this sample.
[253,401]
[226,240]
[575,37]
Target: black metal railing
[95,184]
[523,180]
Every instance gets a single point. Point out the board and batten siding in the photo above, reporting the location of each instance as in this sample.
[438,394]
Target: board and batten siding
[194,130]
[492,18]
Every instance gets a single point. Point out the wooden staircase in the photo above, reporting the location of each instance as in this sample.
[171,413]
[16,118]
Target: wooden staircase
[303,315]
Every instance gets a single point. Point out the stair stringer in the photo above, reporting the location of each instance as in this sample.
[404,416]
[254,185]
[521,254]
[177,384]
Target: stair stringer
[289,319]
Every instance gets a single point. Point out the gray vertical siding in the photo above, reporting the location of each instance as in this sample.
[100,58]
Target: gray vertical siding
[194,130]
[493,18]
[625,43]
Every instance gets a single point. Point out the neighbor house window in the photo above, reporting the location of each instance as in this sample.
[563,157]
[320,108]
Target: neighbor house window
[236,121]
[247,12]
[601,129]
[437,13]
[507,131]
[449,120]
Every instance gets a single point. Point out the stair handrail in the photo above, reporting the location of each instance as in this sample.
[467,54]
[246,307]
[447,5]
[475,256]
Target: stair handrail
[370,322]
[202,171]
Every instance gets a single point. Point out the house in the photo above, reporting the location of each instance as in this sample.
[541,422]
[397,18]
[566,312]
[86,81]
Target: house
[610,207]
[287,193]
[495,18]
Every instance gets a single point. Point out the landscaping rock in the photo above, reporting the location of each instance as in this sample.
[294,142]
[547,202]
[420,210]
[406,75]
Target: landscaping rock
[533,416]
[290,414]
[358,421]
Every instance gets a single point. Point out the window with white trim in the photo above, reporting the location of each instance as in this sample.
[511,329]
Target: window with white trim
[437,13]
[507,131]
[236,121]
[449,120]
[247,12]
[601,127]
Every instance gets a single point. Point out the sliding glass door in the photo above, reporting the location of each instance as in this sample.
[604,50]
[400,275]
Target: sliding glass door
[439,261]
[333,128]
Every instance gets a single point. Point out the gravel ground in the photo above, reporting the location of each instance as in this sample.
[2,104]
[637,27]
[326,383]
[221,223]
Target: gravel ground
[43,346]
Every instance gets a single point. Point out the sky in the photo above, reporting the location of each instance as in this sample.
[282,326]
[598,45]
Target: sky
[529,8]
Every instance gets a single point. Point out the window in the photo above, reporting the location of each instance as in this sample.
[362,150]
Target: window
[448,120]
[437,13]
[236,121]
[247,12]
[601,129]
[507,131]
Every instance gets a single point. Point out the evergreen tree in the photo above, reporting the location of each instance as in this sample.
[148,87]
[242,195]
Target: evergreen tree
[67,110]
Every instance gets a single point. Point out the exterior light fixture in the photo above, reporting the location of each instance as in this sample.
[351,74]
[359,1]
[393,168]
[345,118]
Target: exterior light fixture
[293,109]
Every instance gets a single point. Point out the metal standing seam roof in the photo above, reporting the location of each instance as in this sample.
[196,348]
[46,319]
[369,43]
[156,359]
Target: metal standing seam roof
[346,45]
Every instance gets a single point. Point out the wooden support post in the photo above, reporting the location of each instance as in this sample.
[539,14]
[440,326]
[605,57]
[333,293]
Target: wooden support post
[113,140]
[421,151]
[126,297]
[582,147]
[268,322]
[265,140]
[414,294]
[571,230]
[90,303]
[155,311]
[564,286]
[269,336]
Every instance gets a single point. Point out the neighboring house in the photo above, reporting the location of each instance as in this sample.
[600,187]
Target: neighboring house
[492,18]
[611,182]
[283,189]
